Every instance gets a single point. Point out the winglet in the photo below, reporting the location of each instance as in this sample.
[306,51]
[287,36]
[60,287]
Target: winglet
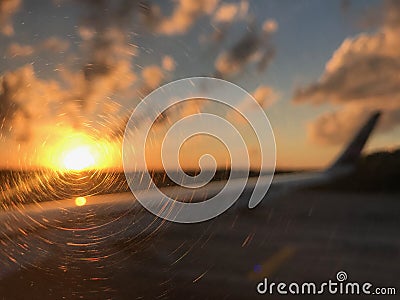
[352,153]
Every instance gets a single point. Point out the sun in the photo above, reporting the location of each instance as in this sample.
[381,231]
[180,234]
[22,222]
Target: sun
[77,151]
[79,159]
[80,201]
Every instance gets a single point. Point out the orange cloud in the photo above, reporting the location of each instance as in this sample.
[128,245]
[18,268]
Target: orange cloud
[25,98]
[265,95]
[15,50]
[7,9]
[270,26]
[185,13]
[152,76]
[168,63]
[226,13]
[53,44]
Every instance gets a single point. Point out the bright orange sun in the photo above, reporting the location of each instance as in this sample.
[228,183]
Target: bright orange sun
[77,152]
[79,159]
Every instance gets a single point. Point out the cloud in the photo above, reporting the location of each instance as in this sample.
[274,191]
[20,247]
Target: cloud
[108,68]
[223,19]
[243,9]
[265,95]
[270,26]
[361,76]
[182,18]
[80,93]
[253,47]
[345,5]
[7,9]
[152,76]
[16,50]
[226,13]
[53,44]
[25,98]
[168,63]
[229,12]
[100,70]
[333,128]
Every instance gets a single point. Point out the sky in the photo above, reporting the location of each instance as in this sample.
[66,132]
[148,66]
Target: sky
[72,72]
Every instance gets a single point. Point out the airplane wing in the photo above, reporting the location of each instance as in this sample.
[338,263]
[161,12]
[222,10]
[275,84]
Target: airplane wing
[102,210]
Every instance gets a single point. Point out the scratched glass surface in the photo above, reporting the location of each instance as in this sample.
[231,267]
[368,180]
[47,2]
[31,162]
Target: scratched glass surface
[72,73]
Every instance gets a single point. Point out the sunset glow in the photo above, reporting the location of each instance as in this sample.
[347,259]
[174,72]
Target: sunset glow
[78,151]
[74,83]
[79,159]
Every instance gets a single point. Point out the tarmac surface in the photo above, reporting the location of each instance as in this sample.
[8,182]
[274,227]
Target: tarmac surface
[305,236]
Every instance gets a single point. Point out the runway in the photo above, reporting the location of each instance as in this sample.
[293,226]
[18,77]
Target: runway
[308,235]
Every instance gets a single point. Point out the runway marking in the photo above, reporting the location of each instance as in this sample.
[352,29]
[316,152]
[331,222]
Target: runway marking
[272,264]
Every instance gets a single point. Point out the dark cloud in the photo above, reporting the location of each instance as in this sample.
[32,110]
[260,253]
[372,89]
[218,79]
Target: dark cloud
[104,30]
[345,5]
[254,47]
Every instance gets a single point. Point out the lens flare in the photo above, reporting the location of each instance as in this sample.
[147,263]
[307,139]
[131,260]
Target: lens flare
[80,201]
